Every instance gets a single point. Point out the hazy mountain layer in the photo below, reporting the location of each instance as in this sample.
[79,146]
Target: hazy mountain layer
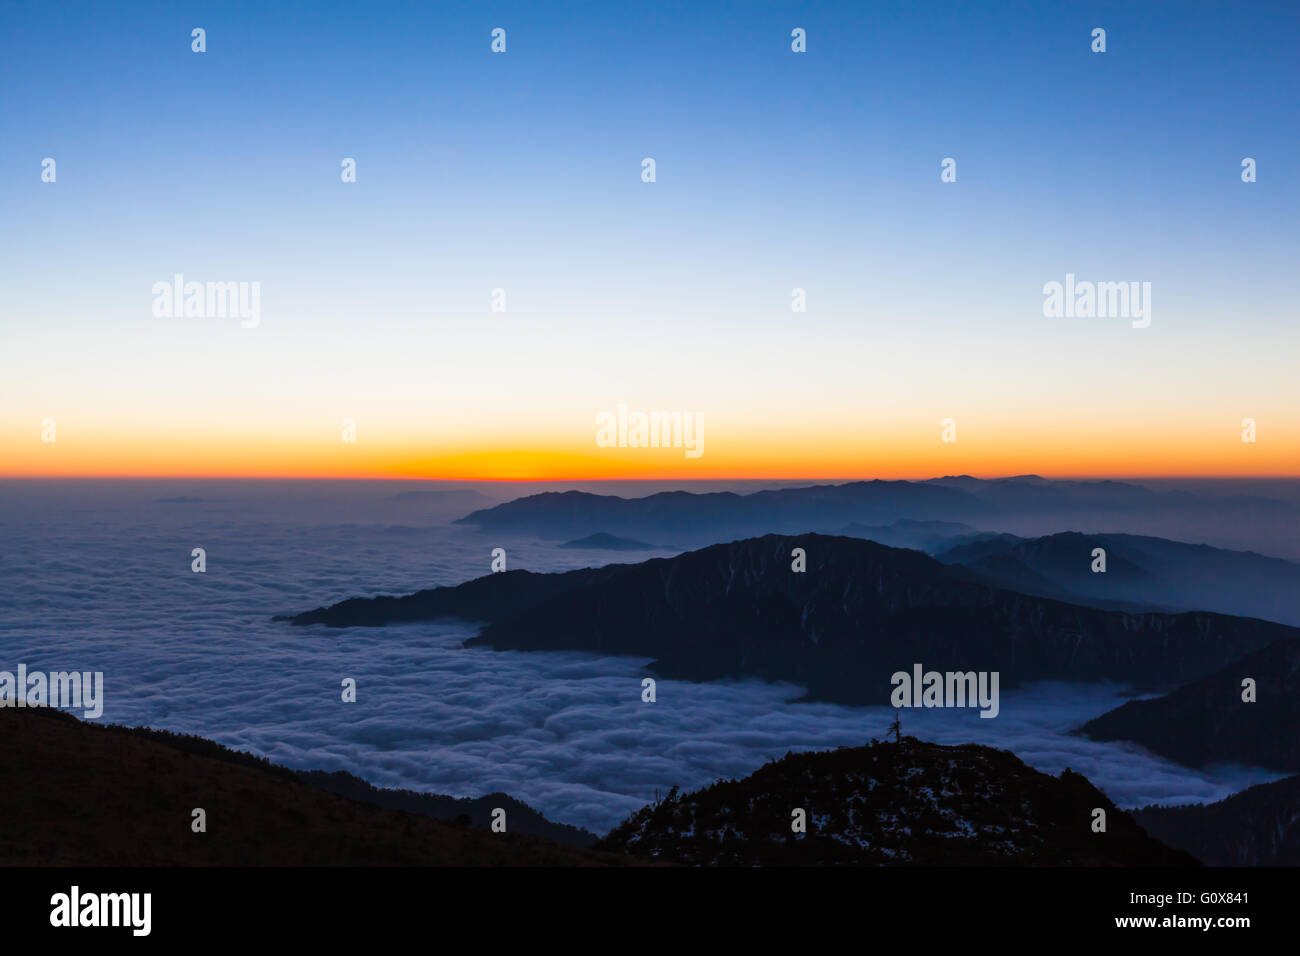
[1140,570]
[1025,504]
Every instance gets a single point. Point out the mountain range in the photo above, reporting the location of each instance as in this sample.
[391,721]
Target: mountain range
[859,613]
[1024,504]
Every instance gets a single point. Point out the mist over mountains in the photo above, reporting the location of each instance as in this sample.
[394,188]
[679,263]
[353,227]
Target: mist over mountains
[1029,608]
[567,750]
[927,536]
[1141,571]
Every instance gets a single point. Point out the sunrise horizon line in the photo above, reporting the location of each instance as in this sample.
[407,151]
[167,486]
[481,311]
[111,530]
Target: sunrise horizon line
[919,476]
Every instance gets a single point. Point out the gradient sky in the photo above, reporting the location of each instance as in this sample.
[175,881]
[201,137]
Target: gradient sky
[775,170]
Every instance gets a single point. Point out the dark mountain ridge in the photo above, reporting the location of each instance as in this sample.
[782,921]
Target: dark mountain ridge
[859,613]
[1207,722]
[476,811]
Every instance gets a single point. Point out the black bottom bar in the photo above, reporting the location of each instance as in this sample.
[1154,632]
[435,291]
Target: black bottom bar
[335,905]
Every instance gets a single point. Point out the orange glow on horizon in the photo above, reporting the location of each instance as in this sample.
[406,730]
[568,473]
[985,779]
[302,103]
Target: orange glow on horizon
[531,464]
[731,451]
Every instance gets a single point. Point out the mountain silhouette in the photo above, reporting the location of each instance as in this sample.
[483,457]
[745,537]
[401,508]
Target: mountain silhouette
[101,795]
[906,802]
[478,810]
[609,542]
[860,612]
[1260,826]
[1208,722]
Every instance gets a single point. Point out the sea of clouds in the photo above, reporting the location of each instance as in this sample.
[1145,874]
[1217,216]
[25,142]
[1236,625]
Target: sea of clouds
[97,577]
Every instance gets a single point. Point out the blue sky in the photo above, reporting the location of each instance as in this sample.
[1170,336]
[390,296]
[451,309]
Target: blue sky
[775,170]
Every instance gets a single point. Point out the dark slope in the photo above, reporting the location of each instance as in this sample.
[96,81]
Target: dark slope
[893,803]
[1140,570]
[81,794]
[859,613]
[1207,722]
[1258,827]
[478,810]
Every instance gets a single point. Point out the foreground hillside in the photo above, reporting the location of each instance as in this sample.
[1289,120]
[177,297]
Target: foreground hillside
[477,811]
[893,803]
[860,612]
[1258,827]
[78,794]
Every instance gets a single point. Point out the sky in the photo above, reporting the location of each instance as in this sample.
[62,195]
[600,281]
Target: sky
[522,171]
